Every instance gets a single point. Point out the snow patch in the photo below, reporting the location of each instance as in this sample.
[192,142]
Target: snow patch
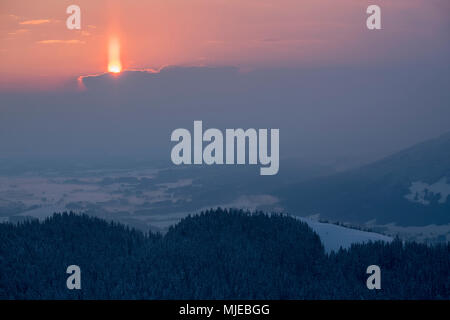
[335,237]
[420,192]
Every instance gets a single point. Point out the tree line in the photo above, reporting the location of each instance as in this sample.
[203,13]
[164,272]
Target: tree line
[217,254]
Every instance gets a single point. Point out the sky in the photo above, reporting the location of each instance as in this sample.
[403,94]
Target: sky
[311,68]
[38,51]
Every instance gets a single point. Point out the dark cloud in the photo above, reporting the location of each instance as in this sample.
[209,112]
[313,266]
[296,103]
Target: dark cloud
[322,113]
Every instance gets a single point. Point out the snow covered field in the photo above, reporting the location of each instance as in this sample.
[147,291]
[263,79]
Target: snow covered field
[334,237]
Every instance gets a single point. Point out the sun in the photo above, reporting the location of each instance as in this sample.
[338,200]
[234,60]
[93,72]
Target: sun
[114,64]
[114,68]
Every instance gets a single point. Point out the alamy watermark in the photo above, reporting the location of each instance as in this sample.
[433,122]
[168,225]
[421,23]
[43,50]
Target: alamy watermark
[231,151]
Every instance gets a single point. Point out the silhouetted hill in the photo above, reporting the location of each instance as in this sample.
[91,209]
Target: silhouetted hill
[219,254]
[410,187]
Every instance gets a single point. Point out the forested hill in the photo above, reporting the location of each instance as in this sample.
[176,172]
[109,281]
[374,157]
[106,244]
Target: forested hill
[220,254]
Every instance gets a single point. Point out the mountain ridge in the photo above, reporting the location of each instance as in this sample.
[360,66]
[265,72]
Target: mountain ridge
[381,191]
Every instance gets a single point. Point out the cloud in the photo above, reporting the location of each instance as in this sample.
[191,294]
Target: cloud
[18,31]
[73,41]
[323,113]
[37,21]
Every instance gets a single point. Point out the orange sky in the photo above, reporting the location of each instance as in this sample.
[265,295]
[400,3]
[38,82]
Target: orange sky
[37,49]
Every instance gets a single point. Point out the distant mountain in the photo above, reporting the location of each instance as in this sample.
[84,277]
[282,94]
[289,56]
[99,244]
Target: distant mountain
[409,188]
